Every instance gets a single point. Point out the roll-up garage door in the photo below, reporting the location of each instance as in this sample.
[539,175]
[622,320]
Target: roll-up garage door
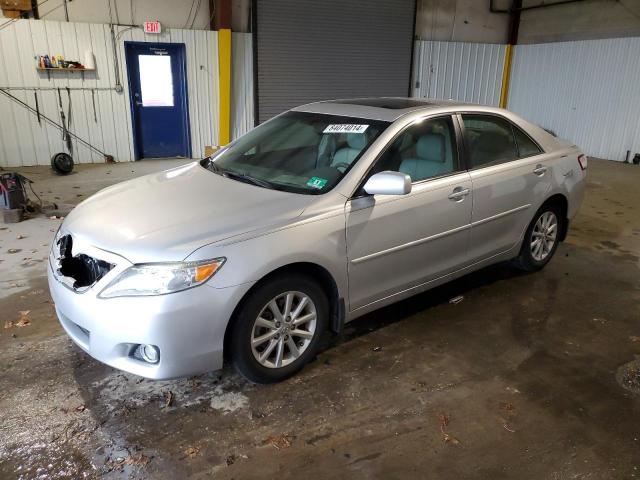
[310,50]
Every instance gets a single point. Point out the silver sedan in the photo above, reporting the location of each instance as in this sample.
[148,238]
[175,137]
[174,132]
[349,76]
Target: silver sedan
[316,217]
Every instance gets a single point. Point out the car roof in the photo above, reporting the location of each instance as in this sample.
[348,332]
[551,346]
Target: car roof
[378,108]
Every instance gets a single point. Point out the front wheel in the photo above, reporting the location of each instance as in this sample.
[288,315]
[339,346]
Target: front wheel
[541,239]
[277,330]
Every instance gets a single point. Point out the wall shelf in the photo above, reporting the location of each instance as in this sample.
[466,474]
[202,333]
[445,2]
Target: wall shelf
[56,69]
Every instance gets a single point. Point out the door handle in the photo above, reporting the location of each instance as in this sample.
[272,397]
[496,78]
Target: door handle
[540,170]
[138,103]
[458,194]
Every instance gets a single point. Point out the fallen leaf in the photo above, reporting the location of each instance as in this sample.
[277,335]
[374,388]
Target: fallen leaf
[635,338]
[23,321]
[20,237]
[137,459]
[14,250]
[377,349]
[278,441]
[81,408]
[448,438]
[168,398]
[507,406]
[192,452]
[444,420]
[456,300]
[508,428]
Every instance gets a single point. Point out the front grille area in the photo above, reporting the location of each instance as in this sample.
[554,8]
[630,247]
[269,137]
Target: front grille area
[82,269]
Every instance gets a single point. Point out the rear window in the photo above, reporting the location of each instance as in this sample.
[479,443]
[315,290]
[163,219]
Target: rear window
[490,140]
[526,146]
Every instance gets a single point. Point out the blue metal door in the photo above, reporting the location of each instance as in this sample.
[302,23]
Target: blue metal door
[158,95]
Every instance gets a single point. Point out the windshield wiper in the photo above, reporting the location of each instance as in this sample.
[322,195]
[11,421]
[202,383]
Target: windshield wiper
[211,165]
[241,177]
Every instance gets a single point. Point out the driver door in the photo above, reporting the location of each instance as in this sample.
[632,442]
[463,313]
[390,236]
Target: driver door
[396,243]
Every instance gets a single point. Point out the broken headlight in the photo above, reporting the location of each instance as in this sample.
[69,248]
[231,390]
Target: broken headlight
[161,278]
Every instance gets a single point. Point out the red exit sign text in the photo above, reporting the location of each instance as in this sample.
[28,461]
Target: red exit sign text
[152,27]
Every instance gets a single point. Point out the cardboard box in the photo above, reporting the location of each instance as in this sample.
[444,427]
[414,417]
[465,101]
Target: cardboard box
[23,5]
[209,150]
[11,13]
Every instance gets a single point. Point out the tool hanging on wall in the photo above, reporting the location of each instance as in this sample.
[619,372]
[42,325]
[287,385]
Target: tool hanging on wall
[107,158]
[93,102]
[35,96]
[63,120]
[68,107]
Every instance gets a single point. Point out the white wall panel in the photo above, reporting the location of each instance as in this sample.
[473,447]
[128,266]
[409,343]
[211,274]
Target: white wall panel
[466,72]
[242,108]
[587,92]
[25,142]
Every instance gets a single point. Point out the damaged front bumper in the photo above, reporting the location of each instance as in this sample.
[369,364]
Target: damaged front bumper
[187,327]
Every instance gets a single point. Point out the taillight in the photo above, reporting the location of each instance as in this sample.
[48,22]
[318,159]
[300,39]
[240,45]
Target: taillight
[582,160]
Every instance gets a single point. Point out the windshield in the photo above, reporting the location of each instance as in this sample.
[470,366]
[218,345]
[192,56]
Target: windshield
[299,152]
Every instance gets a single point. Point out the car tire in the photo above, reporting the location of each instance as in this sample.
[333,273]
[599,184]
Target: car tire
[283,351]
[541,238]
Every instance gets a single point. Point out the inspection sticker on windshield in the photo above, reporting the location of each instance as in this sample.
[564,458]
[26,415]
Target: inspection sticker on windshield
[317,182]
[345,128]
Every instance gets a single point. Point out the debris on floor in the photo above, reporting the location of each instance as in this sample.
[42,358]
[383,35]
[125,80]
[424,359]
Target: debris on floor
[278,441]
[456,300]
[628,376]
[137,459]
[444,422]
[23,321]
[191,452]
[168,398]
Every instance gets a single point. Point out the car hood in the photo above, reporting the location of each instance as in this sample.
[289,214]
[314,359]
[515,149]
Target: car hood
[165,216]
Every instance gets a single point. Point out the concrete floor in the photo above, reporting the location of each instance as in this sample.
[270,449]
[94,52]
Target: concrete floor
[530,376]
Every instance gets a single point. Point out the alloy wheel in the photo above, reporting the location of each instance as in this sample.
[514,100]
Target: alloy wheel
[543,236]
[284,329]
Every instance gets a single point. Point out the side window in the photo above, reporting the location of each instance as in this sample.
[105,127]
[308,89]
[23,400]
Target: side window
[526,146]
[489,139]
[424,150]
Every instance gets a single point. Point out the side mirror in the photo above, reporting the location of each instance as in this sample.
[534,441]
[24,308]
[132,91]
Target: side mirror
[388,183]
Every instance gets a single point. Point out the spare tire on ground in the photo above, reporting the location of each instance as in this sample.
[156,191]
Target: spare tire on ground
[62,163]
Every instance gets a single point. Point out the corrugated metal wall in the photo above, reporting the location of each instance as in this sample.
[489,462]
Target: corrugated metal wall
[242,108]
[24,142]
[467,72]
[587,92]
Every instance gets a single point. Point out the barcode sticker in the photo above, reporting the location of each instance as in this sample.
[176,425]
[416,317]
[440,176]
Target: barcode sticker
[345,128]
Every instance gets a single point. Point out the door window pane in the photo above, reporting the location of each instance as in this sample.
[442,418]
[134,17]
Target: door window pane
[526,146]
[490,140]
[156,81]
[424,150]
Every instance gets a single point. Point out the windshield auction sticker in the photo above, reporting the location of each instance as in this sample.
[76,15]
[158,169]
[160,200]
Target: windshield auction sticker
[345,128]
[317,182]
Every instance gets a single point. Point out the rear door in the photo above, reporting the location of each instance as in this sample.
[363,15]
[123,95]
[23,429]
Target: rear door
[510,176]
[395,243]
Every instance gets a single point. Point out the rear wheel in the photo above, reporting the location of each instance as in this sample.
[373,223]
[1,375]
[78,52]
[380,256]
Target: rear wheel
[277,330]
[541,238]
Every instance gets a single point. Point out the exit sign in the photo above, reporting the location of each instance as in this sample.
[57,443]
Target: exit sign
[152,27]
